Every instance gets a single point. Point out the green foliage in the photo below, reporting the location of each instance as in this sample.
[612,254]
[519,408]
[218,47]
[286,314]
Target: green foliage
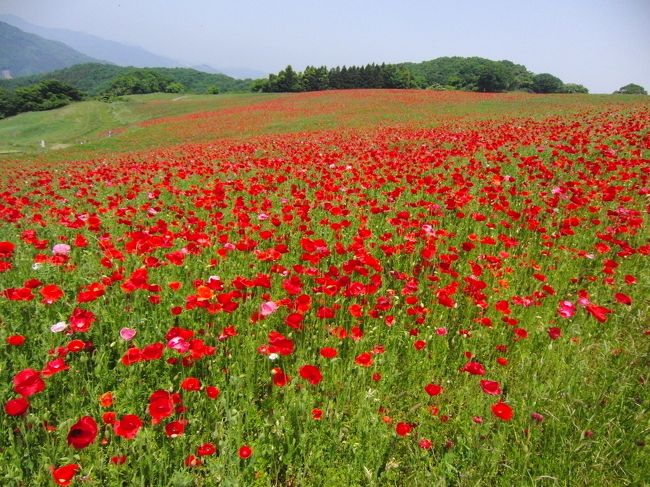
[213,90]
[492,78]
[631,89]
[286,80]
[439,87]
[458,73]
[46,95]
[315,79]
[141,82]
[574,88]
[6,104]
[260,85]
[547,83]
[95,78]
[471,74]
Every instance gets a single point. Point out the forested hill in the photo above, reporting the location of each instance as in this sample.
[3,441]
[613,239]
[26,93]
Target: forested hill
[445,73]
[23,54]
[96,79]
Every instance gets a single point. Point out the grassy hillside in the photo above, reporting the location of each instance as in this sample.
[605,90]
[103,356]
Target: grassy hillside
[93,78]
[147,121]
[25,54]
[86,124]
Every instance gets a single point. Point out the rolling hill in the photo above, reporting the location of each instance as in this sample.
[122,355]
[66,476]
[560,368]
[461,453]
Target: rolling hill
[119,53]
[94,78]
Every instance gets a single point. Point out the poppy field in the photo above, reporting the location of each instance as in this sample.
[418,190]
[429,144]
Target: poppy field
[354,288]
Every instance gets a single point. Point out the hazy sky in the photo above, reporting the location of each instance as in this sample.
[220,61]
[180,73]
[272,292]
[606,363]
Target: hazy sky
[603,44]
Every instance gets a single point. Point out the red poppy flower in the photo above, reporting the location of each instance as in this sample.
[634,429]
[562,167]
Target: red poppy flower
[554,333]
[193,461]
[311,373]
[245,452]
[502,411]
[6,249]
[106,400]
[51,294]
[206,449]
[109,417]
[175,428]
[403,429]
[328,352]
[118,460]
[15,340]
[128,426]
[64,475]
[425,444]
[364,359]
[81,320]
[28,382]
[598,312]
[433,389]
[316,414]
[280,344]
[474,368]
[16,407]
[54,367]
[212,392]
[161,405]
[280,379]
[82,433]
[623,298]
[490,387]
[191,384]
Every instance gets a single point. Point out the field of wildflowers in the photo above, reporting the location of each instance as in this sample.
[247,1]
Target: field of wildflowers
[420,295]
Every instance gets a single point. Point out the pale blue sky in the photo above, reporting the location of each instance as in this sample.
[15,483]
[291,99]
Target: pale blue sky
[602,44]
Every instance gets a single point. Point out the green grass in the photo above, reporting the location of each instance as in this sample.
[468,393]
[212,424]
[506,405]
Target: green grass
[88,123]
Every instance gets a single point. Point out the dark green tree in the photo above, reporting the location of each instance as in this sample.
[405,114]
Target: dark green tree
[142,81]
[7,104]
[45,95]
[315,79]
[288,81]
[492,78]
[574,88]
[631,89]
[547,83]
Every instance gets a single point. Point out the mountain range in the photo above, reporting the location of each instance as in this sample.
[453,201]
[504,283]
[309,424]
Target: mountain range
[22,54]
[93,48]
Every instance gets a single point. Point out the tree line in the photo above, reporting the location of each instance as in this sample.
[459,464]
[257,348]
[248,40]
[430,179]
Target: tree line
[448,73]
[52,93]
[106,82]
[95,79]
[46,95]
